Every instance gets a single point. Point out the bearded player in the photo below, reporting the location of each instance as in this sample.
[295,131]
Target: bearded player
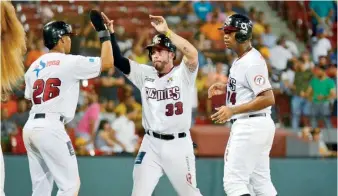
[166,92]
[13,47]
[248,106]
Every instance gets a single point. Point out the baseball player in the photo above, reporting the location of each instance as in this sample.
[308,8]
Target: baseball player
[166,93]
[248,106]
[52,85]
[13,47]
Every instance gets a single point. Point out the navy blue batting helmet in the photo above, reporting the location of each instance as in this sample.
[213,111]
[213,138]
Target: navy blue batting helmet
[161,41]
[53,31]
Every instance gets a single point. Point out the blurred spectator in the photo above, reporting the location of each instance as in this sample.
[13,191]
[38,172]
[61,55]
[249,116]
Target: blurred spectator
[279,55]
[291,46]
[321,45]
[269,39]
[322,13]
[202,8]
[138,53]
[131,109]
[259,26]
[217,12]
[314,134]
[262,48]
[210,29]
[86,128]
[37,50]
[173,18]
[10,105]
[253,14]
[46,14]
[8,129]
[287,79]
[228,9]
[110,81]
[125,43]
[198,42]
[106,139]
[333,57]
[321,92]
[218,75]
[307,60]
[91,44]
[125,132]
[107,110]
[299,103]
[191,17]
[22,115]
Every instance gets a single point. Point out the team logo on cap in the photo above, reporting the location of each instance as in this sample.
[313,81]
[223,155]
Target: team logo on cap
[227,21]
[156,40]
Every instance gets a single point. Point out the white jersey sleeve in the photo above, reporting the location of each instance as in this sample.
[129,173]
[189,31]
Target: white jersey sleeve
[138,72]
[28,88]
[85,67]
[258,78]
[188,76]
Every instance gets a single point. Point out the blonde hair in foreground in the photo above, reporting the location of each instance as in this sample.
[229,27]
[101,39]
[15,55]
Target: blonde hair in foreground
[13,47]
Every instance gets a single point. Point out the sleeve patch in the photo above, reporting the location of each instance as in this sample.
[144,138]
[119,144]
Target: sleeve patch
[259,80]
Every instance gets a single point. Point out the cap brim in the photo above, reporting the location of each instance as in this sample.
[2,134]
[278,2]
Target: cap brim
[149,47]
[228,28]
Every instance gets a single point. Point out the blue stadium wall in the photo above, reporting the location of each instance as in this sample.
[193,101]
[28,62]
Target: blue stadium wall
[112,176]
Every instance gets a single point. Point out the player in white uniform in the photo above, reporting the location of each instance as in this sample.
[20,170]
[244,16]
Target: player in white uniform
[52,85]
[248,106]
[166,93]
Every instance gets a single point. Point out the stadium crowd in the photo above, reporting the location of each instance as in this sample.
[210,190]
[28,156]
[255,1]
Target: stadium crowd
[109,108]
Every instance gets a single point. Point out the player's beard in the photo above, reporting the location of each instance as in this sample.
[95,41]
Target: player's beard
[160,65]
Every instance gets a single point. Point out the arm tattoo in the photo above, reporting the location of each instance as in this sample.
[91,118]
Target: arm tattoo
[191,65]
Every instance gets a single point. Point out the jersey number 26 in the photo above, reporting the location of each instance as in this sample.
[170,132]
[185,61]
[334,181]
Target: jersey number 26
[48,89]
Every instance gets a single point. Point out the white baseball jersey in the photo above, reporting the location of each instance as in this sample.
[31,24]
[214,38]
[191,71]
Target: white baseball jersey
[248,78]
[166,100]
[52,82]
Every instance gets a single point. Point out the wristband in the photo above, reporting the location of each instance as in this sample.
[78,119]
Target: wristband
[104,35]
[168,34]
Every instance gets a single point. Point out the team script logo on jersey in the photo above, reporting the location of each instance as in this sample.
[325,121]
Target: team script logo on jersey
[168,93]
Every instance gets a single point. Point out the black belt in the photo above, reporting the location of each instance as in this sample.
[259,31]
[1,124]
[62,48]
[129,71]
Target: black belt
[43,115]
[165,136]
[250,116]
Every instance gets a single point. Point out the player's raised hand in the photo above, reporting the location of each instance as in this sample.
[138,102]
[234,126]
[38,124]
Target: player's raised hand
[108,22]
[222,115]
[159,23]
[216,89]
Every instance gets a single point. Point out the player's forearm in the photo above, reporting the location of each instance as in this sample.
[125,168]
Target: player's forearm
[107,60]
[188,50]
[120,62]
[262,101]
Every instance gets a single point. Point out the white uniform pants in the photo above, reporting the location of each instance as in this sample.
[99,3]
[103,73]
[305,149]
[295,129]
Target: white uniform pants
[246,159]
[51,157]
[174,157]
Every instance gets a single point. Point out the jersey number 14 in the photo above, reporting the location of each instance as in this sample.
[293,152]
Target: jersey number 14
[48,89]
[231,97]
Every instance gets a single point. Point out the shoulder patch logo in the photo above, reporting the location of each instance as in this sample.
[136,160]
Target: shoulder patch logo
[259,80]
